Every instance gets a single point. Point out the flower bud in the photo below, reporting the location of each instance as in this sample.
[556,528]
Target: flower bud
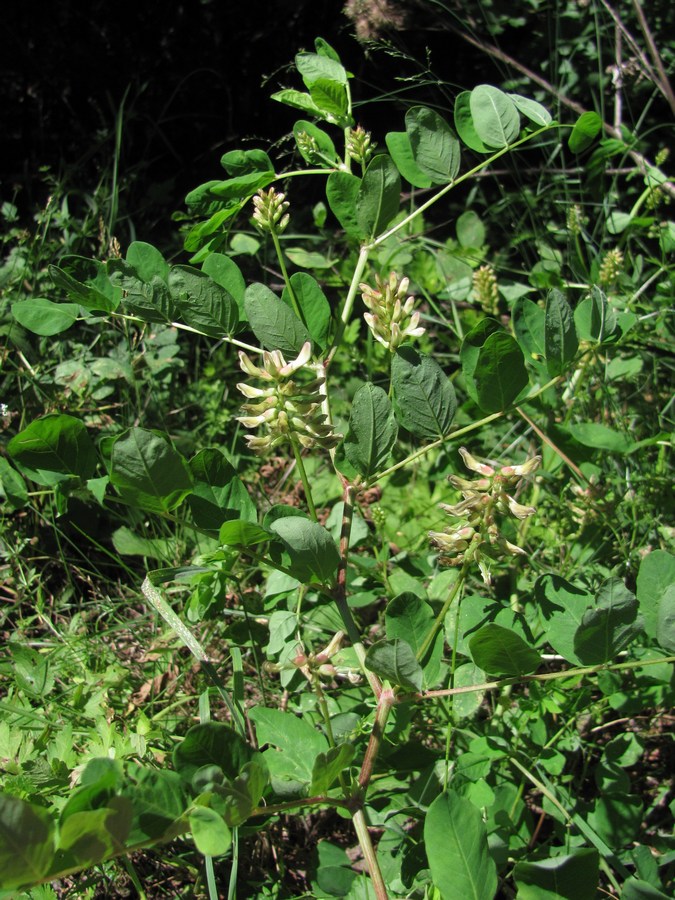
[270,211]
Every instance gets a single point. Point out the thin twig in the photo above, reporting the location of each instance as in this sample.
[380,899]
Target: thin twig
[642,162]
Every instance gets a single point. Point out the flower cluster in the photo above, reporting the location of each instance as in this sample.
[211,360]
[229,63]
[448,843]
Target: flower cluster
[479,539]
[392,317]
[611,267]
[289,411]
[270,211]
[359,145]
[576,219]
[485,289]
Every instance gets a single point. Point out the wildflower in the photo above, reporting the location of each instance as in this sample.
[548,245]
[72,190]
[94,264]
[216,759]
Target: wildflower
[288,410]
[484,499]
[485,289]
[359,145]
[575,219]
[270,211]
[392,317]
[610,267]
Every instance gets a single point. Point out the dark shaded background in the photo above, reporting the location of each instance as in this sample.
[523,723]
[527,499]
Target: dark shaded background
[183,80]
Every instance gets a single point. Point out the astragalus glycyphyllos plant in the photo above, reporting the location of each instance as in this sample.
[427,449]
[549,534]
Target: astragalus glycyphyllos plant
[426,712]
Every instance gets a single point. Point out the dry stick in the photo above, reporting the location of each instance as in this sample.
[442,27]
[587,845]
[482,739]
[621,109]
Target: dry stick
[642,163]
[663,82]
[648,70]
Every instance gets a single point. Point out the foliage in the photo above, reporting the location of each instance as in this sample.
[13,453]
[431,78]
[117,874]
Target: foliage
[471,668]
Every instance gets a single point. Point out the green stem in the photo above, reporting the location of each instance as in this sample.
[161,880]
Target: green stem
[305,480]
[440,618]
[211,878]
[369,855]
[287,280]
[578,672]
[349,302]
[448,187]
[290,805]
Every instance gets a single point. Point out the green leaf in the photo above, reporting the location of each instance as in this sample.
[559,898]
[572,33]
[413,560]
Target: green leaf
[31,670]
[324,154]
[587,127]
[500,374]
[238,798]
[455,838]
[158,802]
[331,99]
[495,117]
[211,835]
[470,351]
[400,149]
[500,651]
[88,836]
[225,272]
[246,162]
[212,744]
[312,551]
[328,766]
[218,493]
[529,324]
[561,606]
[13,490]
[395,661]
[636,889]
[378,197]
[595,320]
[409,618]
[465,125]
[323,48]
[470,230]
[309,259]
[434,145]
[236,191]
[618,222]
[655,581]
[299,100]
[609,626]
[86,282]
[297,744]
[273,322]
[27,842]
[314,307]
[560,335]
[342,191]
[150,301]
[573,877]
[372,430]
[314,67]
[238,533]
[202,302]
[466,705]
[54,448]
[423,396]
[44,317]
[616,817]
[147,261]
[334,874]
[600,437]
[532,110]
[148,472]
